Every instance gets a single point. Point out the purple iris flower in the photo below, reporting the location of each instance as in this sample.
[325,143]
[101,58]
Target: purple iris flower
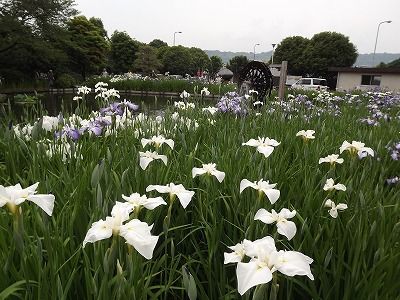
[69,132]
[117,108]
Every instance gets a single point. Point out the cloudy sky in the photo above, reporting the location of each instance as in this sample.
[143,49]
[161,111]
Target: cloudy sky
[236,25]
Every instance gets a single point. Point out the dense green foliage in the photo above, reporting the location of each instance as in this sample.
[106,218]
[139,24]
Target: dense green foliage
[31,38]
[88,50]
[355,256]
[156,43]
[123,52]
[328,49]
[177,60]
[291,49]
[313,57]
[215,65]
[237,63]
[147,61]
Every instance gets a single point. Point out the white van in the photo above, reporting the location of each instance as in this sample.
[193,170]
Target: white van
[317,84]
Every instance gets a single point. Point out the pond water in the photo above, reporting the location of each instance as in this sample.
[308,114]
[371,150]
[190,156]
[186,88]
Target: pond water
[55,103]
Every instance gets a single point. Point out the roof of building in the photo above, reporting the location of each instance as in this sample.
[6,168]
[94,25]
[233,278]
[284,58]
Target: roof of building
[365,70]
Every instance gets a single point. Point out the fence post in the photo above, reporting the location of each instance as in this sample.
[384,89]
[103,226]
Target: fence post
[282,80]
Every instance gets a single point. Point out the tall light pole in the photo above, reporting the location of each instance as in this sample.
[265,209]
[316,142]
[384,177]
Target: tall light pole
[254,51]
[272,58]
[175,34]
[376,41]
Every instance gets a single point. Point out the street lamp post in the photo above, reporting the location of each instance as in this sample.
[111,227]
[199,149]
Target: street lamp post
[376,41]
[254,51]
[272,57]
[175,34]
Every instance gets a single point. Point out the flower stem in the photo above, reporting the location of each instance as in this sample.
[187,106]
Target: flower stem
[274,288]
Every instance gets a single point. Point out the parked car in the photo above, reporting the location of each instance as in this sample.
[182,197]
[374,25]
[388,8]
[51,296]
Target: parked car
[317,84]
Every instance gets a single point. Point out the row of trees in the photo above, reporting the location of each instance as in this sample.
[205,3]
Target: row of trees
[36,36]
[313,57]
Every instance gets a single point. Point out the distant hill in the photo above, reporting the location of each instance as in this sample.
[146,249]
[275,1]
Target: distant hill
[366,59]
[227,55]
[362,60]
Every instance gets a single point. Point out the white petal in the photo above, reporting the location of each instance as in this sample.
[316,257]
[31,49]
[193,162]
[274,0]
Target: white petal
[159,188]
[137,234]
[163,158]
[185,197]
[32,189]
[219,175]
[121,211]
[249,275]
[287,228]
[100,230]
[4,198]
[251,143]
[272,194]
[340,187]
[145,142]
[232,257]
[266,244]
[170,143]
[152,203]
[264,216]
[286,213]
[144,162]
[266,150]
[341,206]
[45,202]
[344,146]
[293,263]
[333,212]
[245,184]
[329,203]
[198,171]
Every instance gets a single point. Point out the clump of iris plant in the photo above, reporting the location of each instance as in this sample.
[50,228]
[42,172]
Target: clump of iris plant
[231,102]
[394,150]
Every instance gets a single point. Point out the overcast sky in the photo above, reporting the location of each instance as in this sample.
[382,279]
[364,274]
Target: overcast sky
[237,25]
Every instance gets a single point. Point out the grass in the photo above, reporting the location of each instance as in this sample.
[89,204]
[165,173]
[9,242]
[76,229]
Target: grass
[165,85]
[355,256]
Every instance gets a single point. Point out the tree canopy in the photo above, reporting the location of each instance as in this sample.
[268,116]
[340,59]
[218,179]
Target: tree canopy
[215,65]
[292,49]
[328,49]
[156,43]
[147,61]
[88,48]
[237,63]
[313,57]
[123,52]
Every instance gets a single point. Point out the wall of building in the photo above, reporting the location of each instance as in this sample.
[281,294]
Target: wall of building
[391,82]
[348,81]
[351,81]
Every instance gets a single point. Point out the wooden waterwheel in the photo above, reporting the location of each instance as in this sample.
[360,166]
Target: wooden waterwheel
[256,76]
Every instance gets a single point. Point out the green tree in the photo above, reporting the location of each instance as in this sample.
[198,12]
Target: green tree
[292,49]
[215,65]
[200,59]
[88,48]
[328,49]
[32,36]
[123,52]
[177,60]
[237,63]
[147,61]
[99,24]
[156,43]
[393,64]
